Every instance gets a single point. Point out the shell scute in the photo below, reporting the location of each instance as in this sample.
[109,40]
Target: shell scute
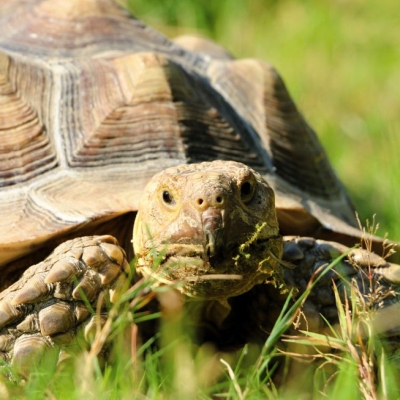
[105,103]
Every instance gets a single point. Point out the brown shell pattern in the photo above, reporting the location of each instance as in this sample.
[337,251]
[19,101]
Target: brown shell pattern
[93,103]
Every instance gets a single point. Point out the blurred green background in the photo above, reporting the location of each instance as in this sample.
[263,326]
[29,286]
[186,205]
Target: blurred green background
[341,62]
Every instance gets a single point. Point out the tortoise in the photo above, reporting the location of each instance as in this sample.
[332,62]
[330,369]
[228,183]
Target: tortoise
[94,104]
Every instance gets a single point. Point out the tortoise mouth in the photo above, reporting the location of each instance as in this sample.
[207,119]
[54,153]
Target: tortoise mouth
[198,265]
[196,280]
[228,273]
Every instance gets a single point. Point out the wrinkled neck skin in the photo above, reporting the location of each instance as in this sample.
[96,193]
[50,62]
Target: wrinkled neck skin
[209,230]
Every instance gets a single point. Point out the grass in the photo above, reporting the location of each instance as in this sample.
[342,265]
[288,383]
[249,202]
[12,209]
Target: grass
[340,61]
[346,364]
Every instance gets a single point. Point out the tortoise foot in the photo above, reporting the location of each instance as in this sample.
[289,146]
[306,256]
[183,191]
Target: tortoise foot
[57,299]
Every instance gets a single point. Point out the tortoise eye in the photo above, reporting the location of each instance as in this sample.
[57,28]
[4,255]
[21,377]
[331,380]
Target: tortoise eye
[167,197]
[246,191]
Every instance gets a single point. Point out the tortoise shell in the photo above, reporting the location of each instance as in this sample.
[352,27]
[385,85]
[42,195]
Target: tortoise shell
[93,103]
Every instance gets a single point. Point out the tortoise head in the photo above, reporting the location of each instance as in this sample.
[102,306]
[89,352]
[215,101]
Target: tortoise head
[210,227]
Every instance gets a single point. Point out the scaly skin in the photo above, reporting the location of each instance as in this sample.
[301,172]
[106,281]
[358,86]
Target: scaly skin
[210,228]
[215,226]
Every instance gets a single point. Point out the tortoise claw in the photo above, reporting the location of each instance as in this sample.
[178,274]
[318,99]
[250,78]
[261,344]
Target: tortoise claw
[391,273]
[109,273]
[114,252]
[364,259]
[94,257]
[56,318]
[89,287]
[35,289]
[29,324]
[65,269]
[8,313]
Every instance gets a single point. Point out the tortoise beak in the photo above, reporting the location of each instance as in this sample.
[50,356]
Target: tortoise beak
[212,220]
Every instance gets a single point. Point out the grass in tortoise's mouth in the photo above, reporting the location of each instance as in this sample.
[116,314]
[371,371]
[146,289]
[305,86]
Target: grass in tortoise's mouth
[196,259]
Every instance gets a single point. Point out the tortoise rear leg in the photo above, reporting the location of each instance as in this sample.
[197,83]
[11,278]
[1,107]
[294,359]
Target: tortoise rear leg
[57,298]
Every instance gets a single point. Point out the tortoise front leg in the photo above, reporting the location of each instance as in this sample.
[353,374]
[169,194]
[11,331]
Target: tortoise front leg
[52,300]
[376,281]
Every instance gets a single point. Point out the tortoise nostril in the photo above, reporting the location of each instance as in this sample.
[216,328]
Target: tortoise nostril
[209,201]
